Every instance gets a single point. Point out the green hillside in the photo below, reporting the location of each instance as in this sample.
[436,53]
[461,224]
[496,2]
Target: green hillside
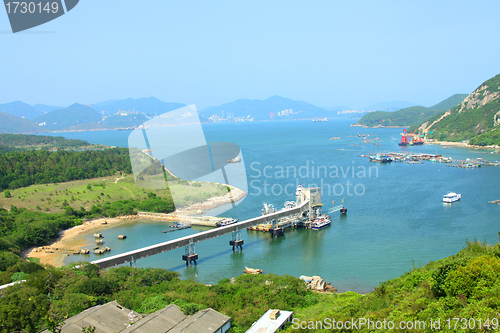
[465,285]
[13,124]
[73,115]
[17,142]
[473,119]
[409,116]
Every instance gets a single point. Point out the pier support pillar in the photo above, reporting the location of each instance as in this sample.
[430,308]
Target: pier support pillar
[190,255]
[277,232]
[133,263]
[237,241]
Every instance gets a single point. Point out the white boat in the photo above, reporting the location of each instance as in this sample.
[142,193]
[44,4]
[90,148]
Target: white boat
[451,197]
[321,222]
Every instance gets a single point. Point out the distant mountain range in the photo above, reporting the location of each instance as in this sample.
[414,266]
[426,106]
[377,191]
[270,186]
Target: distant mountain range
[476,119]
[21,110]
[408,116]
[19,117]
[273,108]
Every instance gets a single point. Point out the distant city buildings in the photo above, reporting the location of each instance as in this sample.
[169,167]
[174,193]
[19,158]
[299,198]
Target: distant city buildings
[352,111]
[228,116]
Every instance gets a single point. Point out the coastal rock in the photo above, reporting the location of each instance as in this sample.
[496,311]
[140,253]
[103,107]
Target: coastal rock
[316,283]
[252,271]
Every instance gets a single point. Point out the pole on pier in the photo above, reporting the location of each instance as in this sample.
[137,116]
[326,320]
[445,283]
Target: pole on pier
[237,241]
[133,263]
[190,255]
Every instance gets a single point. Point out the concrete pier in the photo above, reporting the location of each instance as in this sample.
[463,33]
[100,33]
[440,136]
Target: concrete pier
[191,239]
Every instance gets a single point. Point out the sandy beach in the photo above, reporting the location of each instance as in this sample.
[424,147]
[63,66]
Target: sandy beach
[73,239]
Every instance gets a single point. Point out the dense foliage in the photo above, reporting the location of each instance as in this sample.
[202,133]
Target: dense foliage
[47,142]
[21,228]
[472,120]
[55,294]
[489,138]
[21,169]
[466,285]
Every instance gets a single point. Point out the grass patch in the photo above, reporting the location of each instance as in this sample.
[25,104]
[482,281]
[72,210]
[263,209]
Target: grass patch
[84,193]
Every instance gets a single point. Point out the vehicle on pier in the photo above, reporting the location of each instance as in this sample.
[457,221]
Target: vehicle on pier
[321,222]
[225,222]
[451,197]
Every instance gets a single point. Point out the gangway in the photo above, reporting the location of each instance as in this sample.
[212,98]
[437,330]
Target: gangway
[339,208]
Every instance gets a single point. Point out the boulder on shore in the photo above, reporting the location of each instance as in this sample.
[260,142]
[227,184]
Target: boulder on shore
[252,271]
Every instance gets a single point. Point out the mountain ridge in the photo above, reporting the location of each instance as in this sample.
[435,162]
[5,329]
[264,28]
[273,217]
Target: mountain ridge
[408,116]
[475,120]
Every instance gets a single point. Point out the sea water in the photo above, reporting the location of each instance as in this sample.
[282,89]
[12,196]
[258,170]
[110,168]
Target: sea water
[396,219]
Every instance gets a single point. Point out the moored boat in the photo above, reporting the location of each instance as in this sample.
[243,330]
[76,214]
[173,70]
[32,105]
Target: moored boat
[380,158]
[321,222]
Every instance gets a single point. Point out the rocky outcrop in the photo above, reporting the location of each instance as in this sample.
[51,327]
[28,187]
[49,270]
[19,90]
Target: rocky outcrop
[316,283]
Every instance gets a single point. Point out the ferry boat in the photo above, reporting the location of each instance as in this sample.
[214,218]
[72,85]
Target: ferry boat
[451,197]
[225,222]
[321,222]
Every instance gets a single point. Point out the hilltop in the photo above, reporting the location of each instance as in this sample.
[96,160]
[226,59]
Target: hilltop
[147,105]
[408,116]
[69,117]
[475,119]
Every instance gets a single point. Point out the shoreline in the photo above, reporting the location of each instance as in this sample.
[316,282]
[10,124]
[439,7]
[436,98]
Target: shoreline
[461,145]
[73,239]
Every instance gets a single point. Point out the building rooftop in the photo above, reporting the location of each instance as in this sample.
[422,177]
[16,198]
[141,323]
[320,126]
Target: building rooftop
[112,317]
[267,325]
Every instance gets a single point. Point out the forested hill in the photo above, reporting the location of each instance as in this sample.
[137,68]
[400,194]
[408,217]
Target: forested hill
[12,124]
[12,142]
[21,169]
[475,119]
[409,116]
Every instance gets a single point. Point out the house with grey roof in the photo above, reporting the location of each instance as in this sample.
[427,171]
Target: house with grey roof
[114,318]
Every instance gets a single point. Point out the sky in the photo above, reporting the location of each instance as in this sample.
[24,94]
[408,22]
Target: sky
[328,53]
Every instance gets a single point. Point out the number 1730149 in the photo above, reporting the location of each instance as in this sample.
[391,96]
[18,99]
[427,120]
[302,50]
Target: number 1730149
[31,7]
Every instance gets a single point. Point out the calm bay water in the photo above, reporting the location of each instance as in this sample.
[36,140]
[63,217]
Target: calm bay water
[395,217]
